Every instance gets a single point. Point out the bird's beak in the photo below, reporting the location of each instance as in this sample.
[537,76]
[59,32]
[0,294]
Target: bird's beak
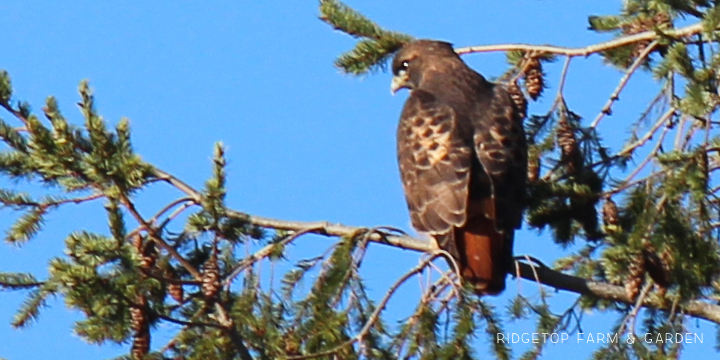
[398,82]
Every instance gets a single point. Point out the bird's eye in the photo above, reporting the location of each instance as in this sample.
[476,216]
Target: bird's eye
[402,69]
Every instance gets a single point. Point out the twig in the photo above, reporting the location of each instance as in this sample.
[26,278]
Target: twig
[440,285]
[635,310]
[375,315]
[230,329]
[48,204]
[537,279]
[563,76]
[187,203]
[625,185]
[646,161]
[640,142]
[15,113]
[187,323]
[170,344]
[680,129]
[158,239]
[263,253]
[615,96]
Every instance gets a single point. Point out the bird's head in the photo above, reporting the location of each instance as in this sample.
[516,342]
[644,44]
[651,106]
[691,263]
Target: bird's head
[411,62]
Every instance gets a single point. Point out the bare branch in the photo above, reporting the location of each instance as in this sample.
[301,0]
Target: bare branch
[640,142]
[563,76]
[158,239]
[615,96]
[587,50]
[263,253]
[652,155]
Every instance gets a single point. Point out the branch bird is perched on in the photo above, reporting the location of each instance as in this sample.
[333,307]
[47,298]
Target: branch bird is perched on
[462,155]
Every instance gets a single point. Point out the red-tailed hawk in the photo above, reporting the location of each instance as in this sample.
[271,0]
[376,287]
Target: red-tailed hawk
[463,160]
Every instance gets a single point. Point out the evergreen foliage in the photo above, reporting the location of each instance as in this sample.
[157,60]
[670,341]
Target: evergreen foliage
[374,49]
[213,273]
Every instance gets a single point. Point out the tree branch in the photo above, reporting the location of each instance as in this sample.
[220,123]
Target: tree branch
[587,50]
[615,96]
[533,272]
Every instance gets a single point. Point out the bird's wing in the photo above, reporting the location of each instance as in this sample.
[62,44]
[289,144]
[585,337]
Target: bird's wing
[434,166]
[501,148]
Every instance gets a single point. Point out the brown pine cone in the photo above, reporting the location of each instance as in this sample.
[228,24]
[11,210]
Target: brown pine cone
[211,279]
[659,20]
[174,287]
[534,78]
[610,212]
[518,98]
[658,270]
[139,323]
[137,241]
[666,261]
[149,255]
[176,291]
[570,153]
[703,163]
[636,277]
[140,345]
[138,317]
[534,168]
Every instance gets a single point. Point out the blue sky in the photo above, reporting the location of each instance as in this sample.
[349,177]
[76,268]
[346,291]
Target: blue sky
[304,142]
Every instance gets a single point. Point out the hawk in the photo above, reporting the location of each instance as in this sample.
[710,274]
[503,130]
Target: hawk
[462,156]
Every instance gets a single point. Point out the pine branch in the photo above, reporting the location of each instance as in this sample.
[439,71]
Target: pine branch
[375,316]
[18,281]
[533,272]
[231,330]
[376,46]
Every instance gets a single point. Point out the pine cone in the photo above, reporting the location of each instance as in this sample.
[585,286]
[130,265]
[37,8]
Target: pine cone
[660,20]
[292,345]
[138,317]
[636,275]
[655,266]
[211,279]
[139,323]
[666,260]
[610,213]
[534,81]
[638,25]
[533,168]
[703,164]
[570,153]
[140,345]
[149,255]
[137,241]
[175,289]
[518,98]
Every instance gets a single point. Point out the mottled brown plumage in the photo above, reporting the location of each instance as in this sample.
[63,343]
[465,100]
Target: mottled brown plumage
[463,160]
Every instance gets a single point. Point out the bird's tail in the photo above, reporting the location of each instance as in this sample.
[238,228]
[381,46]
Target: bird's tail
[485,255]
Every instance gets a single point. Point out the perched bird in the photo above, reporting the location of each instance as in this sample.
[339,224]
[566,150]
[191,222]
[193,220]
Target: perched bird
[462,155]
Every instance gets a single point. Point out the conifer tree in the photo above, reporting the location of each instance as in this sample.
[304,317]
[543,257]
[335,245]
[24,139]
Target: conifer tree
[643,217]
